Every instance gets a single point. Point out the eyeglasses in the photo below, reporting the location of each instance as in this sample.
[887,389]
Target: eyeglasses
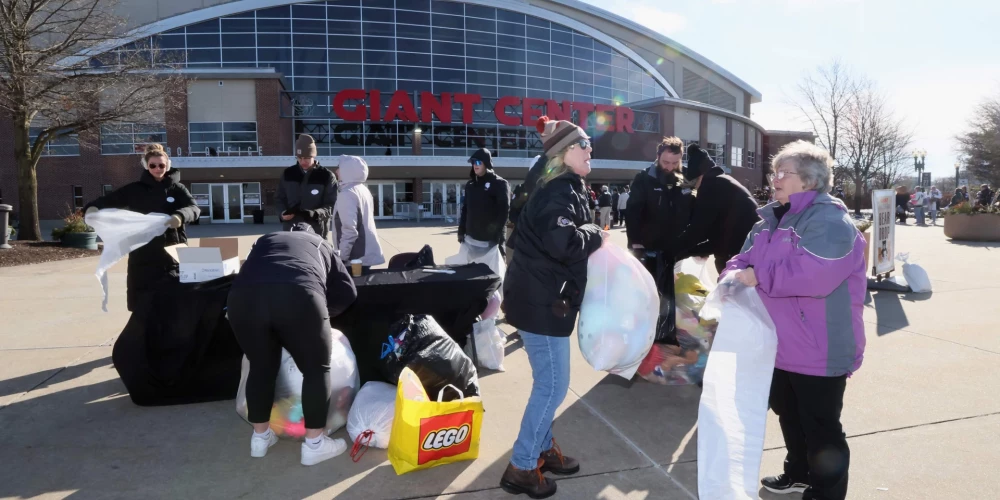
[583,143]
[477,163]
[780,175]
[157,166]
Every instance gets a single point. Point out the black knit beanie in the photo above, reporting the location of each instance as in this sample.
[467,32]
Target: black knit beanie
[698,162]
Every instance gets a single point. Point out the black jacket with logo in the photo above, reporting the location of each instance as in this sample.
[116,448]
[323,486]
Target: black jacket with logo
[658,209]
[310,197]
[485,207]
[724,214]
[544,285]
[149,266]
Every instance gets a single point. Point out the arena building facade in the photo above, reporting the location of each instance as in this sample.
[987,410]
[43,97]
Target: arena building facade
[413,86]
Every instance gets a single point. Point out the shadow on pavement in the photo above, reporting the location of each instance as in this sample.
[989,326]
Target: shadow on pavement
[24,383]
[890,313]
[976,244]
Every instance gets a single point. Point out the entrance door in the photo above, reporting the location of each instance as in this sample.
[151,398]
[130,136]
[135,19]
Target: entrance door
[445,200]
[227,203]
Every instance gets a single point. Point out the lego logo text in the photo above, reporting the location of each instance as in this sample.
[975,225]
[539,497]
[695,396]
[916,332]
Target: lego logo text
[445,438]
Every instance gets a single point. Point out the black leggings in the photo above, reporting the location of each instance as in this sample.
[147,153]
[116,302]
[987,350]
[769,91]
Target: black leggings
[266,318]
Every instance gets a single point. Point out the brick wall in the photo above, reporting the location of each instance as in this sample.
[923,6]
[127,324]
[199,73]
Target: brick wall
[8,169]
[274,133]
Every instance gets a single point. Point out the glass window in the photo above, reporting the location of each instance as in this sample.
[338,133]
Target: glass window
[511,55]
[562,50]
[716,152]
[447,7]
[274,40]
[562,62]
[385,4]
[239,40]
[538,45]
[416,46]
[377,43]
[510,28]
[203,41]
[204,27]
[310,84]
[480,38]
[239,55]
[737,157]
[421,5]
[514,42]
[204,56]
[408,31]
[274,54]
[446,34]
[511,81]
[309,26]
[418,18]
[582,89]
[514,68]
[210,139]
[583,65]
[129,138]
[512,17]
[537,22]
[346,83]
[170,41]
[539,33]
[449,62]
[561,36]
[379,15]
[562,86]
[346,70]
[378,29]
[275,25]
[77,197]
[310,70]
[449,49]
[379,57]
[482,51]
[343,42]
[61,145]
[480,11]
[482,78]
[276,12]
[585,54]
[340,27]
[415,59]
[448,75]
[486,25]
[345,56]
[442,21]
[481,64]
[374,71]
[538,71]
[413,73]
[538,83]
[343,13]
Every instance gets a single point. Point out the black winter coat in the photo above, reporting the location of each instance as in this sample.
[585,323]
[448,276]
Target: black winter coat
[149,266]
[659,207]
[724,214]
[522,193]
[604,200]
[544,285]
[485,207]
[311,198]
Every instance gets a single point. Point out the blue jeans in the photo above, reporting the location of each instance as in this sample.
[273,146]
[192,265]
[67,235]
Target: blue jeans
[919,212]
[549,359]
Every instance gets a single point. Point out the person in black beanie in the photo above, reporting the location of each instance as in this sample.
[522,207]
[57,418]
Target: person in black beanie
[724,211]
[486,203]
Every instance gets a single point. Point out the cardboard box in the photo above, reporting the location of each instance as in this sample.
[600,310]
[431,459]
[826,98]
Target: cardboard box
[213,258]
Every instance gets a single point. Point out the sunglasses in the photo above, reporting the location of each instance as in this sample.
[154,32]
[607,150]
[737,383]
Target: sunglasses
[583,143]
[157,166]
[477,163]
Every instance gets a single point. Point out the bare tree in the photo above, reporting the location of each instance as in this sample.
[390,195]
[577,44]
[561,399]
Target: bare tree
[47,77]
[895,166]
[874,141]
[823,99]
[980,145]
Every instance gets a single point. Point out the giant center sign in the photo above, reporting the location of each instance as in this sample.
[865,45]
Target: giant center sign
[357,105]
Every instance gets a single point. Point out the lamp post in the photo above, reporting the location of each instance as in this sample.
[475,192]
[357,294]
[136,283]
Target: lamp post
[918,165]
[957,164]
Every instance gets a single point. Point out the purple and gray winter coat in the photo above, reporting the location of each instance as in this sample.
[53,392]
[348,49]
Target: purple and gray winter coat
[810,269]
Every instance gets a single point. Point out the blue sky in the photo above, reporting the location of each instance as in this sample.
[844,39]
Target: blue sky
[935,60]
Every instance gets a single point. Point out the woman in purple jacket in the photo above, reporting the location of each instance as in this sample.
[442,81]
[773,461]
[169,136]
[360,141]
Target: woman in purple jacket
[807,260]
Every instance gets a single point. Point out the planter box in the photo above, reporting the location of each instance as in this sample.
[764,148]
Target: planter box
[86,241]
[977,227]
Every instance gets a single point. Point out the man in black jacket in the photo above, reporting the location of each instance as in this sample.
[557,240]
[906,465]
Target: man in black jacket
[307,192]
[724,211]
[520,198]
[486,203]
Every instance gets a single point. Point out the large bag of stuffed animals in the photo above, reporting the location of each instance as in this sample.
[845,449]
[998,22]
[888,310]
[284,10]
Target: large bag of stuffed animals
[420,344]
[286,415]
[370,421]
[732,415]
[684,363]
[619,312]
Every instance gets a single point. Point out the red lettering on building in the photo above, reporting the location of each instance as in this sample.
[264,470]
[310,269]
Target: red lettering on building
[429,105]
[501,111]
[402,109]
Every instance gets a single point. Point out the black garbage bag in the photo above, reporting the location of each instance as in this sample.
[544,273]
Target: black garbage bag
[178,347]
[419,343]
[661,266]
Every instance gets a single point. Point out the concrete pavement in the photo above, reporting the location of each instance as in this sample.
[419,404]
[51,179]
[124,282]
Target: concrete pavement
[920,414]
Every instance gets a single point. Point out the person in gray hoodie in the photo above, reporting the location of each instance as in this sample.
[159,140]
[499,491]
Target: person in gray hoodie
[354,215]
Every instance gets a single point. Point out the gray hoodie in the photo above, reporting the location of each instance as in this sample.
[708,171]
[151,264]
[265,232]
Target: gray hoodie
[354,215]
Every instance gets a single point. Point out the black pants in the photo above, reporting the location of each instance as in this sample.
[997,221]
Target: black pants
[661,266]
[808,410]
[267,318]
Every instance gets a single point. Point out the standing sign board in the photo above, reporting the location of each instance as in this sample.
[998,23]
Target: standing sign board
[883,231]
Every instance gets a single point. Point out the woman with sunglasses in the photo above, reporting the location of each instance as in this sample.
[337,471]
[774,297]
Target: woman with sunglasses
[543,290]
[157,191]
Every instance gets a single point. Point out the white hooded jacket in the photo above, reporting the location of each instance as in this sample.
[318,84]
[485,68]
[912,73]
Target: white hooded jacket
[354,215]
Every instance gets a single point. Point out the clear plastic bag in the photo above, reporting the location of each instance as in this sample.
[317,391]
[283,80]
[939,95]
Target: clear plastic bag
[286,415]
[479,252]
[732,414]
[122,231]
[489,344]
[915,275]
[619,312]
[373,410]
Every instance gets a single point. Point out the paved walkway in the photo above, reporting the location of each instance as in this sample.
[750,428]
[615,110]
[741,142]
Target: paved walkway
[921,415]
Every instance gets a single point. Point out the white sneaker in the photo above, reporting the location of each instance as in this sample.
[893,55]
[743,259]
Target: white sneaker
[328,449]
[259,445]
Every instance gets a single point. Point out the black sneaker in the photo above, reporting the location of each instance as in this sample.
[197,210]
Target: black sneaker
[783,485]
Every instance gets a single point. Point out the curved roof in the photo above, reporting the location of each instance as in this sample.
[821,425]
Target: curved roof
[648,33]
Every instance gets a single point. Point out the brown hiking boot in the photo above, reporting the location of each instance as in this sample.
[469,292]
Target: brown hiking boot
[555,462]
[530,482]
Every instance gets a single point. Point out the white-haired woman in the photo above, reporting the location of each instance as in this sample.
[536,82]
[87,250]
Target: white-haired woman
[159,191]
[543,290]
[806,259]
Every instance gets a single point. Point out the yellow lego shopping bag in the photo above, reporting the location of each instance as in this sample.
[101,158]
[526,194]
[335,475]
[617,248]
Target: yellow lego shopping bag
[428,433]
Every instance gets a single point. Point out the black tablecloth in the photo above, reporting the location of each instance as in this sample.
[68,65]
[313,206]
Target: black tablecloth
[384,296]
[178,348]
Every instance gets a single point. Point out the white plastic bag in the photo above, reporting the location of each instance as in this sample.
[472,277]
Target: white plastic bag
[373,410]
[122,232]
[286,414]
[699,268]
[479,252]
[489,344]
[619,312]
[732,414]
[916,277]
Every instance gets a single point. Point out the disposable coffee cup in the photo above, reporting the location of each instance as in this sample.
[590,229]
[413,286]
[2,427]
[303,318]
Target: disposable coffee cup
[356,267]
